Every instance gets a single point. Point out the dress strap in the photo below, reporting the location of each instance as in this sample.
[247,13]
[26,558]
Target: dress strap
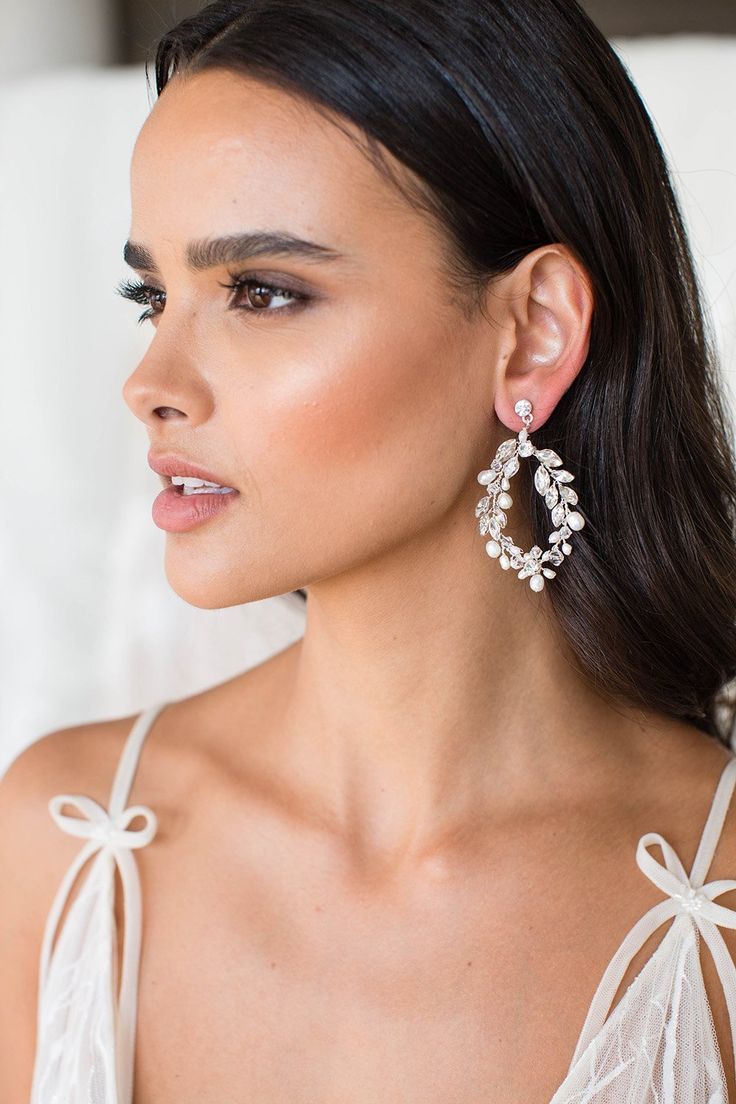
[128,762]
[108,837]
[714,823]
[684,896]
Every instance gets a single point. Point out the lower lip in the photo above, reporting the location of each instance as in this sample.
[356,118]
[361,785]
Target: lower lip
[176,512]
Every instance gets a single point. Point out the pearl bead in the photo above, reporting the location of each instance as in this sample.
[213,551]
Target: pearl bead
[505,562]
[493,548]
[505,484]
[575,520]
[566,548]
[486,476]
[536,582]
[505,501]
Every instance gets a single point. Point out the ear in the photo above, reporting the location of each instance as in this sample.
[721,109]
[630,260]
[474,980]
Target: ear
[548,299]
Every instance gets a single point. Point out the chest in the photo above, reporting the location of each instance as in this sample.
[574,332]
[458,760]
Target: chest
[301,988]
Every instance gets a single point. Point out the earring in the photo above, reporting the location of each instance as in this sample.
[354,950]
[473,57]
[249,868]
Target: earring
[551,481]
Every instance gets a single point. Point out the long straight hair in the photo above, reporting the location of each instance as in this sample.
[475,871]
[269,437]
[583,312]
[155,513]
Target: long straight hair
[520,126]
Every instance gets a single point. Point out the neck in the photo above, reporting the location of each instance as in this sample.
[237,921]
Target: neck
[431,687]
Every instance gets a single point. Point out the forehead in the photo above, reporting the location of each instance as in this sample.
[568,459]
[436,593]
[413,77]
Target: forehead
[220,151]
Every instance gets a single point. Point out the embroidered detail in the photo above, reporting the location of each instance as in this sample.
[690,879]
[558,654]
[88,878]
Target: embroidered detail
[693,900]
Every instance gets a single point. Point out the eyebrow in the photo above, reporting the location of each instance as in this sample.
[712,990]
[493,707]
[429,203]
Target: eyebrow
[233,249]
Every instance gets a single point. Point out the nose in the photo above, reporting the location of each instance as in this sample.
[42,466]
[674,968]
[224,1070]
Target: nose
[160,388]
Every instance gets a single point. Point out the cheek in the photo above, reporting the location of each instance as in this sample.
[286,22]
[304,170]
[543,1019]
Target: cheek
[359,421]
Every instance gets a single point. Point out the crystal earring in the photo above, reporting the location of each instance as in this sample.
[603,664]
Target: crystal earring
[551,481]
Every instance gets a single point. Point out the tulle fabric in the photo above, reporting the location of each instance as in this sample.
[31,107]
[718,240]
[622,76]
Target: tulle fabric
[657,1046]
[76,1053]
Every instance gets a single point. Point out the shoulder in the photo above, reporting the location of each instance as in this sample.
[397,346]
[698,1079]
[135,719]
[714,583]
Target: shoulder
[80,759]
[684,776]
[33,850]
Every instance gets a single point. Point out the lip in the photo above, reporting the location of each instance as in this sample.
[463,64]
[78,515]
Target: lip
[178,513]
[169,464]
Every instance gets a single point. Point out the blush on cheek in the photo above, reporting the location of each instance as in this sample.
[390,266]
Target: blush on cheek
[369,398]
[354,414]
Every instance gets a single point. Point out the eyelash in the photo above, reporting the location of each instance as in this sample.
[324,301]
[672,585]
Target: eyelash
[139,292]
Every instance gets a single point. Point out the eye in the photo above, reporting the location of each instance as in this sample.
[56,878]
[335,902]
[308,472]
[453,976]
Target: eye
[256,291]
[139,293]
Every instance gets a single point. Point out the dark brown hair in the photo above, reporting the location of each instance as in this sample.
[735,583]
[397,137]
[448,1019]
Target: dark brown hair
[521,127]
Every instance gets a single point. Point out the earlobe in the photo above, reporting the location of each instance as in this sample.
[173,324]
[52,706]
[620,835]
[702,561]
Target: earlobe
[552,303]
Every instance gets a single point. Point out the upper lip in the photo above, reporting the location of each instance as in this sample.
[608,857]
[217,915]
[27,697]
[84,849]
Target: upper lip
[168,464]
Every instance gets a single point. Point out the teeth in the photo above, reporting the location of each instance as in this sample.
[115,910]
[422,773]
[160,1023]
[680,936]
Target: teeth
[199,486]
[188,481]
[208,490]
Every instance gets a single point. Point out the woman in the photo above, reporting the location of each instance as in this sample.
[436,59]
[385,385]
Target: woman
[383,247]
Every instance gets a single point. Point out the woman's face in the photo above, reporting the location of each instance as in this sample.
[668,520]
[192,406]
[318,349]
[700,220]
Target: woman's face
[349,404]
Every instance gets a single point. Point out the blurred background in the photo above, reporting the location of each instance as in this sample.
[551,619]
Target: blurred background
[89,627]
[38,33]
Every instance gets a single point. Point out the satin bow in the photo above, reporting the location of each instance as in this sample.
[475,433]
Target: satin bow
[672,880]
[97,823]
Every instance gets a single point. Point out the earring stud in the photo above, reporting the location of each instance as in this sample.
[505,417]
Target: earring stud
[551,481]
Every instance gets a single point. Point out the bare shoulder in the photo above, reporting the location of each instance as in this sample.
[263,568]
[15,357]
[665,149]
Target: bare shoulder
[685,769]
[79,759]
[76,760]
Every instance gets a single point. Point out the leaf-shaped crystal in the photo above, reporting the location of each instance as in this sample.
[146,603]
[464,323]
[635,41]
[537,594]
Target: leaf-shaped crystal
[551,497]
[512,467]
[558,514]
[569,495]
[500,517]
[482,506]
[506,449]
[484,524]
[541,480]
[549,457]
[526,448]
[563,476]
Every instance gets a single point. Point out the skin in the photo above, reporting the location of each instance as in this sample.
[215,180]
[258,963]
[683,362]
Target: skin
[395,859]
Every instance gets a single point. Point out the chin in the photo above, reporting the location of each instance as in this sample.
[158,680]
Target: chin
[213,590]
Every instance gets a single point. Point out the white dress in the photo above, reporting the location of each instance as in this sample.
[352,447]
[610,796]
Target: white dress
[658,1046]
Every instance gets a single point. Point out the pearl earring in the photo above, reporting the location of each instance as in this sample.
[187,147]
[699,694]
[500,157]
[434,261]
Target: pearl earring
[551,480]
